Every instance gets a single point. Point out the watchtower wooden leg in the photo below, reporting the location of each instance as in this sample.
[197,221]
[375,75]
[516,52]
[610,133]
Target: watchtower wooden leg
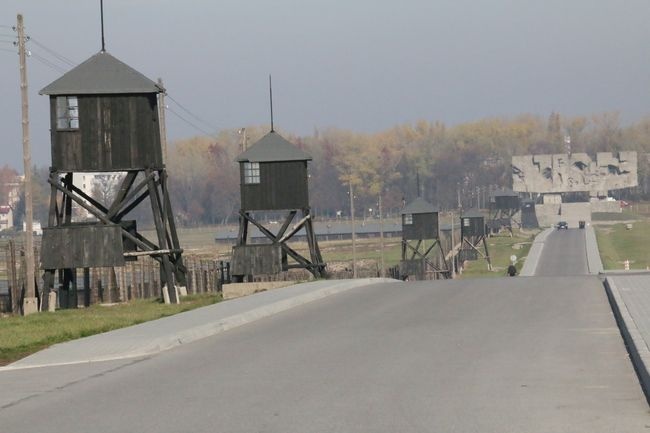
[166,271]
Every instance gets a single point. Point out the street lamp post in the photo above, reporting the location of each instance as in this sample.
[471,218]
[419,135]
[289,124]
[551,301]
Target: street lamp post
[453,248]
[354,236]
[381,235]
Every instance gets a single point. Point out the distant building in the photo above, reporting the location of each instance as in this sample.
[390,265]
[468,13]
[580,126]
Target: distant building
[37,229]
[12,189]
[100,186]
[6,217]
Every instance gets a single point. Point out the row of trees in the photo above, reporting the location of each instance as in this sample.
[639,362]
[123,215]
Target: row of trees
[451,165]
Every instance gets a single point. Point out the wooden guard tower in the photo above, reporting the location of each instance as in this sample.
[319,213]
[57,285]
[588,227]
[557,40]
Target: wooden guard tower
[104,118]
[273,177]
[472,234]
[420,223]
[504,204]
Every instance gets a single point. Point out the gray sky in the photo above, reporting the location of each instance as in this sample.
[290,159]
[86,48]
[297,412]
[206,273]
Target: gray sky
[364,65]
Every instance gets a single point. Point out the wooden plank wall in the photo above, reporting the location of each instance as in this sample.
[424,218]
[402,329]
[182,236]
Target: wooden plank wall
[283,185]
[256,259]
[116,132]
[136,280]
[82,246]
[425,226]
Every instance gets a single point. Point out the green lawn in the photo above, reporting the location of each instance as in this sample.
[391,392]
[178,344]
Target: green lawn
[617,244]
[501,248]
[21,336]
[366,249]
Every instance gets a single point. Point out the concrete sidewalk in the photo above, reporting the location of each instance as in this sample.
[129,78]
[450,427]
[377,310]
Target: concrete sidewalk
[629,296]
[163,334]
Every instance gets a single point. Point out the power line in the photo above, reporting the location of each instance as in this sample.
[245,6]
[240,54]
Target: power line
[54,62]
[59,56]
[191,114]
[195,126]
[48,63]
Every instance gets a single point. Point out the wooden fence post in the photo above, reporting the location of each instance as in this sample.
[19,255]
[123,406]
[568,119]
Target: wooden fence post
[94,286]
[14,278]
[87,297]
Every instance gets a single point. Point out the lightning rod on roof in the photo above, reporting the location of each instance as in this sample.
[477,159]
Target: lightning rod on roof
[101,7]
[271,101]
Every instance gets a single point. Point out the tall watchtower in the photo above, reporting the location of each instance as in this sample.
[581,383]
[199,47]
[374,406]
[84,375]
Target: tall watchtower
[420,223]
[504,204]
[473,237]
[104,118]
[273,177]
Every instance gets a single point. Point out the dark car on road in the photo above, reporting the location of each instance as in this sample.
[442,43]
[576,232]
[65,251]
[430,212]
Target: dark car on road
[562,225]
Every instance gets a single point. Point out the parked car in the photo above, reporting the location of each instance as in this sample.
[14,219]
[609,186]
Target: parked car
[562,225]
[581,224]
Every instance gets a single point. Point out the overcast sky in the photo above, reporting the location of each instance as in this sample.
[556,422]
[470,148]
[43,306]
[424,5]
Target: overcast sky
[364,65]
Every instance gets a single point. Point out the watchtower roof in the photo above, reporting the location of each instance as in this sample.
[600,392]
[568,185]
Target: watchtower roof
[472,213]
[273,148]
[418,206]
[101,74]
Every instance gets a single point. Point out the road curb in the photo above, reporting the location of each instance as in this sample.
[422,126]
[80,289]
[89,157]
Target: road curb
[594,263]
[636,345]
[534,254]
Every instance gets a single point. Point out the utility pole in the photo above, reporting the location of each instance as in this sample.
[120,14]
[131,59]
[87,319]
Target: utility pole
[30,304]
[453,248]
[244,139]
[354,236]
[161,116]
[381,235]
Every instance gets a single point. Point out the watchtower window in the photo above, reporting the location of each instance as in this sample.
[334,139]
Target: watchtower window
[67,112]
[251,173]
[408,219]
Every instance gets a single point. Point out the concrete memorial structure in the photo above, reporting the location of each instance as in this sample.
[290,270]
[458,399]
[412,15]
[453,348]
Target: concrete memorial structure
[575,172]
[554,175]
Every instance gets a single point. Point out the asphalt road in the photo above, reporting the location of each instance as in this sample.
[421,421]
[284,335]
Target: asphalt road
[538,354]
[564,254]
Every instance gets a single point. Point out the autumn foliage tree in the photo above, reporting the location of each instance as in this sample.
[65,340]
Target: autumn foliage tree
[454,163]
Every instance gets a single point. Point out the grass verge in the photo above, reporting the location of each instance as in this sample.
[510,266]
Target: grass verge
[22,336]
[501,248]
[617,243]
